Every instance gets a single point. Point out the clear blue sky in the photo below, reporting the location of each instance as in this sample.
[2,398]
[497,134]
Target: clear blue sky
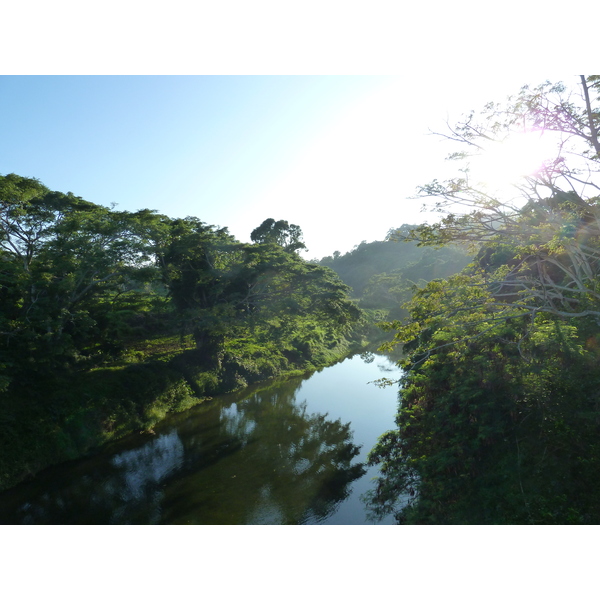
[338,155]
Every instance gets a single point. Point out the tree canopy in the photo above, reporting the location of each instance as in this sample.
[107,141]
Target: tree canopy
[69,268]
[279,232]
[75,277]
[547,224]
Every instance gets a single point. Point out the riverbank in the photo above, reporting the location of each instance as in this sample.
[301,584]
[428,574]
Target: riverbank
[289,450]
[63,416]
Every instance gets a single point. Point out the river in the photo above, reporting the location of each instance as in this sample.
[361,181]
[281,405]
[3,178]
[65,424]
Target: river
[292,452]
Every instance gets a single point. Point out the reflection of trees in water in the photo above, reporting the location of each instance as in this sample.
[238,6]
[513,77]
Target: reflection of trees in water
[123,488]
[291,466]
[263,459]
[367,357]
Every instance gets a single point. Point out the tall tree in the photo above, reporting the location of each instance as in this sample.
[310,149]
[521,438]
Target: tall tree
[222,288]
[65,263]
[279,232]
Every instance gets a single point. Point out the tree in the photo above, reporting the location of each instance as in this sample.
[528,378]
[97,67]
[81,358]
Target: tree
[498,418]
[197,261]
[223,289]
[279,232]
[70,269]
[549,227]
[494,426]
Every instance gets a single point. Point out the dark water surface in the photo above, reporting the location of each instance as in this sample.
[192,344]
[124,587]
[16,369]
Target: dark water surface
[291,453]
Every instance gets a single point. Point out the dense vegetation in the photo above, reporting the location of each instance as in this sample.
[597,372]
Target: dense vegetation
[384,274]
[499,416]
[111,319]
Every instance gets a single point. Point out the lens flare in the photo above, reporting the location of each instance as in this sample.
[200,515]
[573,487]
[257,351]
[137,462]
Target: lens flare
[520,155]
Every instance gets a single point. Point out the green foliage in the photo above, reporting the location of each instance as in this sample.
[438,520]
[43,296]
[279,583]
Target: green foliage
[496,422]
[110,320]
[222,289]
[279,232]
[499,407]
[364,267]
[72,275]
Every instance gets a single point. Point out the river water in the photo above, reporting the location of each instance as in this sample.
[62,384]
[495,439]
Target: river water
[292,452]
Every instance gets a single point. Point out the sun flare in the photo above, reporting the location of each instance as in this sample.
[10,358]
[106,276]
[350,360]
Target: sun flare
[519,156]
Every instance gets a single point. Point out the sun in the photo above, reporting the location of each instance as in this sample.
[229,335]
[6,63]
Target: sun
[520,155]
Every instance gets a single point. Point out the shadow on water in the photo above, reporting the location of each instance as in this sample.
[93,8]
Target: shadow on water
[260,459]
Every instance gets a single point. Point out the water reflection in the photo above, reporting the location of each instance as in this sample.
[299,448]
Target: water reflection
[288,466]
[262,459]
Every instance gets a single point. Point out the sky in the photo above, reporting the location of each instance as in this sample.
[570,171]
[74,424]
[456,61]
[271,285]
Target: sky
[340,156]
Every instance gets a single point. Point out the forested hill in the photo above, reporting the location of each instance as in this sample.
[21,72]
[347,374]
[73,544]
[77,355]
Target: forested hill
[383,274]
[110,319]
